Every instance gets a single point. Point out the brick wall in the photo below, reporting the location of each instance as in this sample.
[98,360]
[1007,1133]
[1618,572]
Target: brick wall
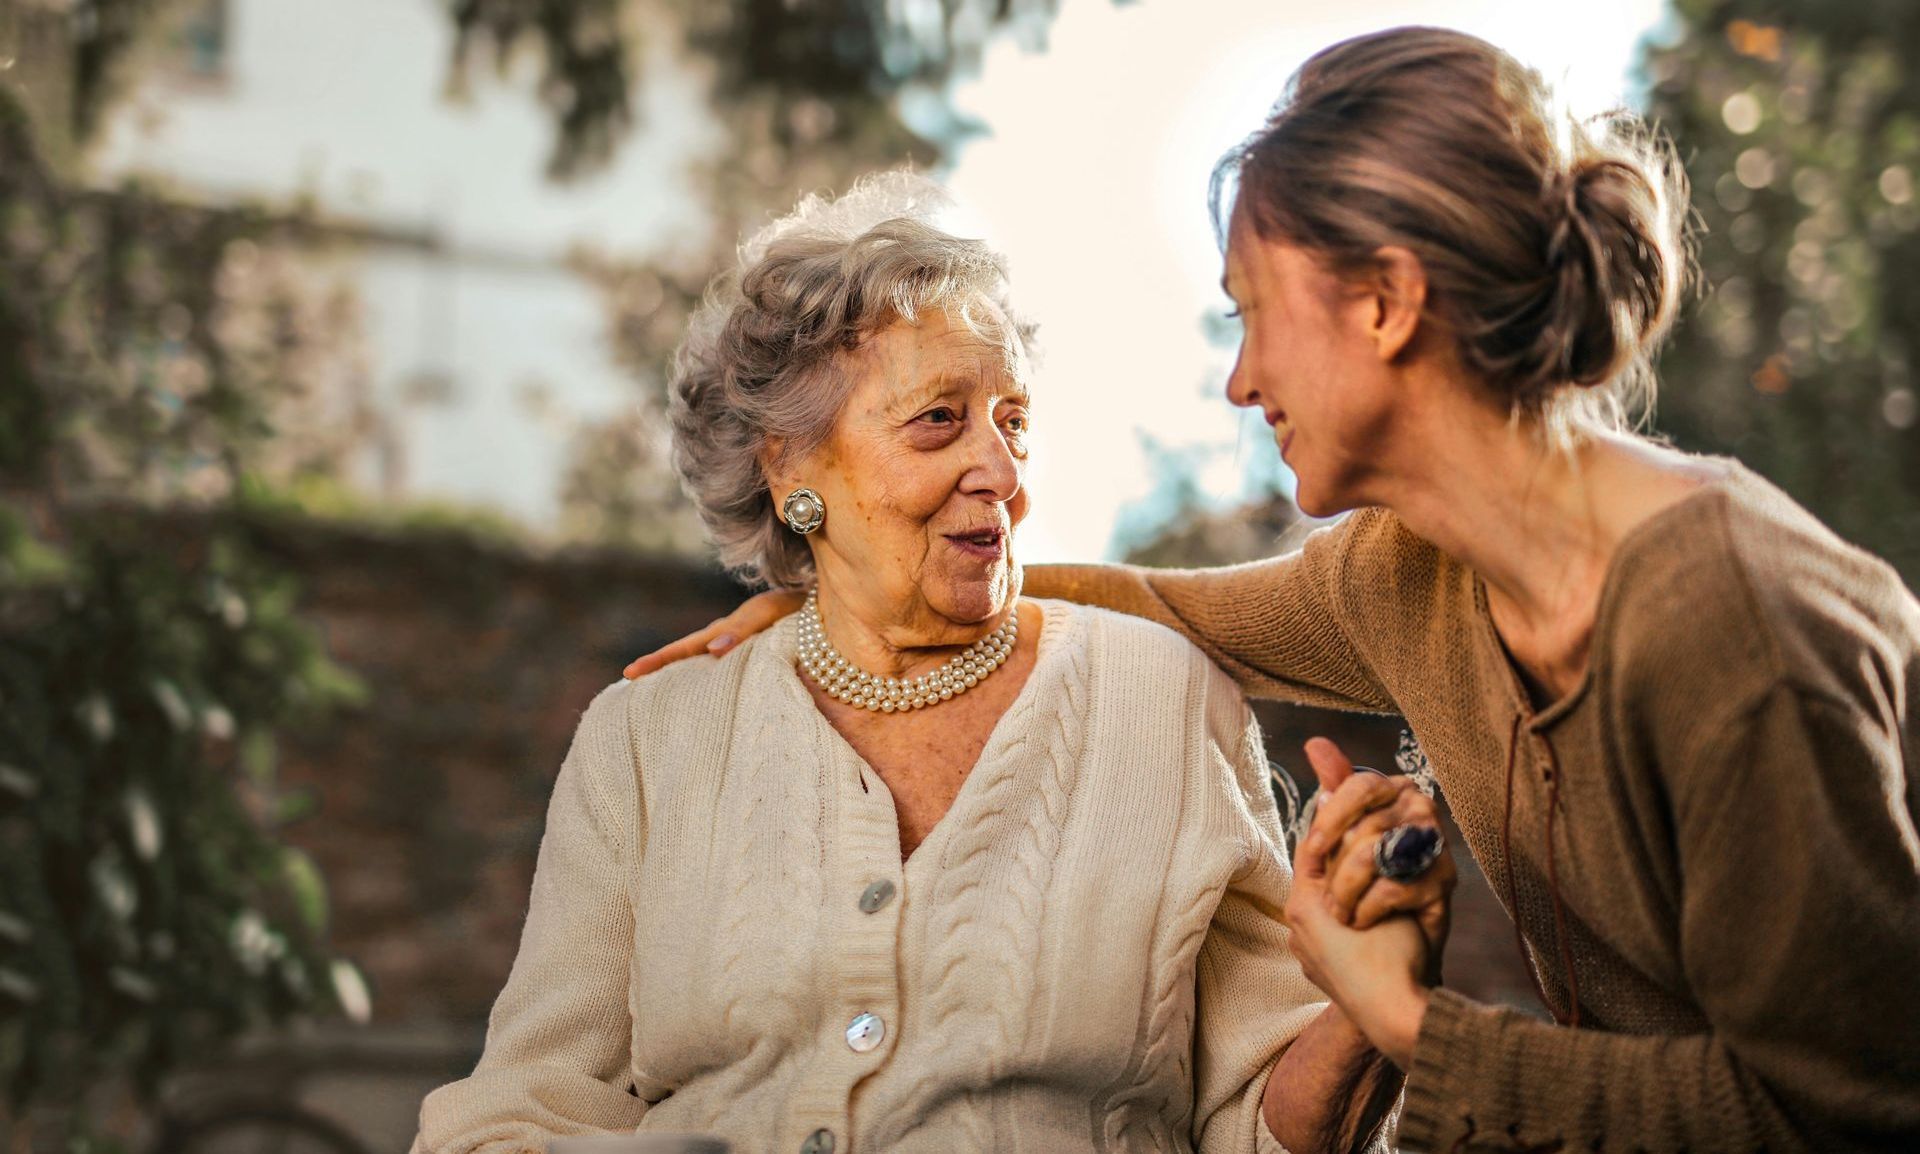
[430,798]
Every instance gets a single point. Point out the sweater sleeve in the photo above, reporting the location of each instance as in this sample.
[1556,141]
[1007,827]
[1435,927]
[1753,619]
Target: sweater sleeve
[1799,911]
[1273,625]
[557,1058]
[1251,997]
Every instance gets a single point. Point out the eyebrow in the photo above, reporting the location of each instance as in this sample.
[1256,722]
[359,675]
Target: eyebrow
[949,380]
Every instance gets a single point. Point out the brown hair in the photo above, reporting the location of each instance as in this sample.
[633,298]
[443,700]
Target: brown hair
[1555,250]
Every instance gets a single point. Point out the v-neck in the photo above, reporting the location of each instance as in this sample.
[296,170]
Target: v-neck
[1054,617]
[1623,558]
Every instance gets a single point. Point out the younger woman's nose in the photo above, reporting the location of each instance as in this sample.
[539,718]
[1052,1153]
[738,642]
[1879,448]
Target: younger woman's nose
[1240,390]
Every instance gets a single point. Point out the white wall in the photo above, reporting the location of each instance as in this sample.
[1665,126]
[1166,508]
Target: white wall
[343,102]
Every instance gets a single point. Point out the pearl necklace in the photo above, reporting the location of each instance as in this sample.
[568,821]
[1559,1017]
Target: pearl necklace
[847,682]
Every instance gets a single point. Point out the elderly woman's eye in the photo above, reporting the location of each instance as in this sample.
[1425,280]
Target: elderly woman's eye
[940,416]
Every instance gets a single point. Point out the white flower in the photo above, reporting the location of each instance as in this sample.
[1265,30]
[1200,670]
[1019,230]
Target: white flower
[18,986]
[114,888]
[143,822]
[18,781]
[179,713]
[1412,761]
[97,716]
[134,985]
[217,723]
[251,941]
[351,989]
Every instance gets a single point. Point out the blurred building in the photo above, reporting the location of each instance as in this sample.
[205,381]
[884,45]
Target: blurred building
[484,350]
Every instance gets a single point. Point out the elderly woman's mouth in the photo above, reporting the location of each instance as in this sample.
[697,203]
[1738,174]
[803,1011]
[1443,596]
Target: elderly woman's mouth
[986,543]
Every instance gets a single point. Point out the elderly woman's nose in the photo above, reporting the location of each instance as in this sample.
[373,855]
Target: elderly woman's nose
[993,470]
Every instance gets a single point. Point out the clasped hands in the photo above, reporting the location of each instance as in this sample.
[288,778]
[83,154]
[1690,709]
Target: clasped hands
[1372,944]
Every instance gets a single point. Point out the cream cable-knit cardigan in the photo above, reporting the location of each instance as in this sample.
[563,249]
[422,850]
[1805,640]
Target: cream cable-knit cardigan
[1085,954]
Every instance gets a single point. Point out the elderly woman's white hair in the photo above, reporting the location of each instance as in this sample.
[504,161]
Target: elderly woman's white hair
[765,354]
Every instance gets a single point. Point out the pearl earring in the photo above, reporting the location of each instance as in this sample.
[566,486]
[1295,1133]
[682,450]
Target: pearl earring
[804,511]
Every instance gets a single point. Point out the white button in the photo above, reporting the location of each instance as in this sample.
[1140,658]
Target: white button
[818,1142]
[876,896]
[865,1032]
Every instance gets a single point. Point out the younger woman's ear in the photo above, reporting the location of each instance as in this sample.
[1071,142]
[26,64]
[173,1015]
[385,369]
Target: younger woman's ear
[1399,291]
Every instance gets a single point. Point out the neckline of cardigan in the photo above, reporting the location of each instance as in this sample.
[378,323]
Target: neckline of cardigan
[1050,666]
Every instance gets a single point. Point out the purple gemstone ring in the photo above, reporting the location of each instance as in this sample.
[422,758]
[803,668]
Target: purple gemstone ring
[1405,852]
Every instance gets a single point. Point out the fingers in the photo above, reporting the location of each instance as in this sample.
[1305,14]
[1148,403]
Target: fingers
[754,615]
[715,638]
[1425,896]
[1337,812]
[1329,764]
[1356,895]
[1305,916]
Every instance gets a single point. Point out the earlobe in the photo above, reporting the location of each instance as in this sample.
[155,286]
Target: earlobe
[1400,300]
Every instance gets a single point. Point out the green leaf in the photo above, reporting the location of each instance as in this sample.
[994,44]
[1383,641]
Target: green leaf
[308,888]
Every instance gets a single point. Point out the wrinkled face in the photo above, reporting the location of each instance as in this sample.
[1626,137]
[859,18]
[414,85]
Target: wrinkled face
[1308,363]
[922,477]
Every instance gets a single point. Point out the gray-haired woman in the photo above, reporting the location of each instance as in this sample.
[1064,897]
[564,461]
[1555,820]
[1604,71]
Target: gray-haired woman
[926,867]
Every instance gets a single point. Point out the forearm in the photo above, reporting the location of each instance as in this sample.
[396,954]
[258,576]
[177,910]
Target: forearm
[1270,625]
[1330,1090]
[1488,1074]
[1121,588]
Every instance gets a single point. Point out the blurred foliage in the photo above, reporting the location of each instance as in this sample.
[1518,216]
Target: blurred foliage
[1799,122]
[150,354]
[845,60]
[149,908]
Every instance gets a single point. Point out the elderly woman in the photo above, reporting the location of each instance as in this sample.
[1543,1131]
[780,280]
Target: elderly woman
[926,866]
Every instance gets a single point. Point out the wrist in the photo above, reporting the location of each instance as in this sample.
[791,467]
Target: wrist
[1393,1023]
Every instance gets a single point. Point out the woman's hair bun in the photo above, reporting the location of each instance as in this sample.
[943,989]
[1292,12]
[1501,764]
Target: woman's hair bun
[1614,281]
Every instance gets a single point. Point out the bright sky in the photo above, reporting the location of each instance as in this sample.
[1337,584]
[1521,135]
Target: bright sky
[1093,182]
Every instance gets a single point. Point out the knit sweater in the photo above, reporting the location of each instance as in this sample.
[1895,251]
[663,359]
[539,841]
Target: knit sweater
[1086,953]
[1725,806]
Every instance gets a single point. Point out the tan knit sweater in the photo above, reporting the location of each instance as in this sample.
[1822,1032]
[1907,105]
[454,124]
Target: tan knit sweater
[1733,833]
[1085,954]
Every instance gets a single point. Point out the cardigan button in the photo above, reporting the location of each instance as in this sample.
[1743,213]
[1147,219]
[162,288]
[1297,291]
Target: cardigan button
[818,1142]
[876,896]
[865,1032]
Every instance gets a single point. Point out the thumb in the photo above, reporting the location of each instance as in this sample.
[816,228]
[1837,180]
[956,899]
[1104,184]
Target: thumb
[1329,764]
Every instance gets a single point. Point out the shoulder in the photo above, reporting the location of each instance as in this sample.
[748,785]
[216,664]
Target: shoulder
[1120,641]
[697,686]
[664,711]
[1382,571]
[1141,670]
[1409,607]
[1745,592]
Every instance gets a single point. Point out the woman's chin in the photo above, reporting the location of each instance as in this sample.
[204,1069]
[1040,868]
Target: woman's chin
[980,596]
